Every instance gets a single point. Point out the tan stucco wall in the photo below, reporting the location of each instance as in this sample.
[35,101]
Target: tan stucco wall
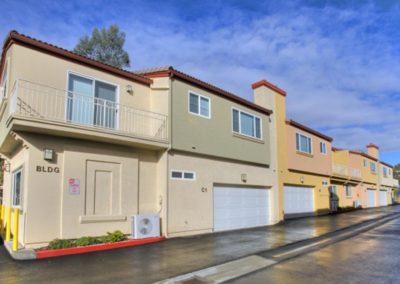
[214,136]
[48,196]
[190,203]
[316,162]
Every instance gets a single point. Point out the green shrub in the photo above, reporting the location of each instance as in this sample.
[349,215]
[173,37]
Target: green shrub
[113,237]
[86,241]
[58,244]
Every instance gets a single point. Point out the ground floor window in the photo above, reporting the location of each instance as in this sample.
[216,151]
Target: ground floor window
[16,188]
[183,175]
[348,191]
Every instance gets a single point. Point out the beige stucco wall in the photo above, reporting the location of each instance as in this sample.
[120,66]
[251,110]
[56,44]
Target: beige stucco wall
[190,203]
[316,162]
[214,136]
[66,215]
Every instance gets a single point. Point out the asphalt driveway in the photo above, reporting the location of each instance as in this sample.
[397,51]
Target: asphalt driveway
[177,256]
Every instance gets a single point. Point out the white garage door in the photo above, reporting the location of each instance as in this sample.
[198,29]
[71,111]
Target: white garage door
[383,198]
[238,207]
[298,200]
[371,198]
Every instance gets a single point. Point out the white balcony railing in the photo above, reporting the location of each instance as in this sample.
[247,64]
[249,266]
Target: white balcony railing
[355,173]
[340,169]
[46,103]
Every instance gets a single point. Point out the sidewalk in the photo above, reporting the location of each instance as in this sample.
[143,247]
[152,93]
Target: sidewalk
[177,256]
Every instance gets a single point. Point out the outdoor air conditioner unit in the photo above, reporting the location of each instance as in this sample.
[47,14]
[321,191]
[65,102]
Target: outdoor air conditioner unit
[145,226]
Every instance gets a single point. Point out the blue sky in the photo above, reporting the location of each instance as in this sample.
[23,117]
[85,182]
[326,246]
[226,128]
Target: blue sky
[339,61]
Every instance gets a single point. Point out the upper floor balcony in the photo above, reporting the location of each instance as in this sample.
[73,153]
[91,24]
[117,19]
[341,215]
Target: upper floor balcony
[346,172]
[82,116]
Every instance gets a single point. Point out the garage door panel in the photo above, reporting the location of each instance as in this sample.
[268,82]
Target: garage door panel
[237,208]
[383,198]
[371,198]
[298,200]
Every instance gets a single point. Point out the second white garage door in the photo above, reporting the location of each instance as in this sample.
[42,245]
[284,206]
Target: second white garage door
[298,200]
[238,208]
[371,198]
[383,198]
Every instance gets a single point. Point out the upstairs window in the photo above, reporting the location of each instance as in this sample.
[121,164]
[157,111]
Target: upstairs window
[372,167]
[3,82]
[348,190]
[303,143]
[199,105]
[365,163]
[246,124]
[385,172]
[322,148]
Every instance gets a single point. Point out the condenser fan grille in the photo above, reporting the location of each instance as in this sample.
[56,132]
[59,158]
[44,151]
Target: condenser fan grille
[145,226]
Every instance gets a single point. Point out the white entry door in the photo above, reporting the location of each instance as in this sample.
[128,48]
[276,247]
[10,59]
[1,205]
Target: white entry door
[298,200]
[371,198]
[238,207]
[383,198]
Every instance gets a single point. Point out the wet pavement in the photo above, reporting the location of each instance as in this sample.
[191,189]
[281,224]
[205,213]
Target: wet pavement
[177,256]
[371,257]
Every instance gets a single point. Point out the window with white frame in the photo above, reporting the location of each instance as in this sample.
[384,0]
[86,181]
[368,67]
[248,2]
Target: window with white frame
[3,83]
[390,172]
[183,175]
[246,124]
[199,105]
[385,172]
[372,166]
[322,148]
[303,143]
[17,188]
[365,163]
[348,190]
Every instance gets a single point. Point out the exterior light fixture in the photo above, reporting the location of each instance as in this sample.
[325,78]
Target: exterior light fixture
[129,89]
[48,154]
[302,179]
[243,177]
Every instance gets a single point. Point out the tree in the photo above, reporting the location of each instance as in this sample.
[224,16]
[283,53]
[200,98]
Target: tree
[105,45]
[396,171]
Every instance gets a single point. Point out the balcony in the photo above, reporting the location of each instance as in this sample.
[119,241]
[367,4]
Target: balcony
[339,169]
[40,103]
[355,173]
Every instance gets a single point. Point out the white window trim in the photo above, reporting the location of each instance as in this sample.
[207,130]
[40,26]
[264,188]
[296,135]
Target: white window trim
[298,142]
[370,167]
[254,123]
[117,95]
[351,191]
[183,175]
[325,147]
[18,170]
[365,163]
[199,102]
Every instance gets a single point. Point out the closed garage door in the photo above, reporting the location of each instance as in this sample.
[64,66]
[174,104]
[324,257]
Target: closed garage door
[371,198]
[383,198]
[298,200]
[238,208]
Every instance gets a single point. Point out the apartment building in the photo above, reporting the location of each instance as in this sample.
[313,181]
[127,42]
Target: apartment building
[309,167]
[87,146]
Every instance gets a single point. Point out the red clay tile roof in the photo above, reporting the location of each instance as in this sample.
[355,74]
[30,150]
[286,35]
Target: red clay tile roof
[363,154]
[309,130]
[17,38]
[169,71]
[268,85]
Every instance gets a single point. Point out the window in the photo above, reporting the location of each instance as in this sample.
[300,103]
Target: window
[385,172]
[303,143]
[199,105]
[91,102]
[183,175]
[246,124]
[365,163]
[334,190]
[348,190]
[322,147]
[372,166]
[390,172]
[16,188]
[3,83]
